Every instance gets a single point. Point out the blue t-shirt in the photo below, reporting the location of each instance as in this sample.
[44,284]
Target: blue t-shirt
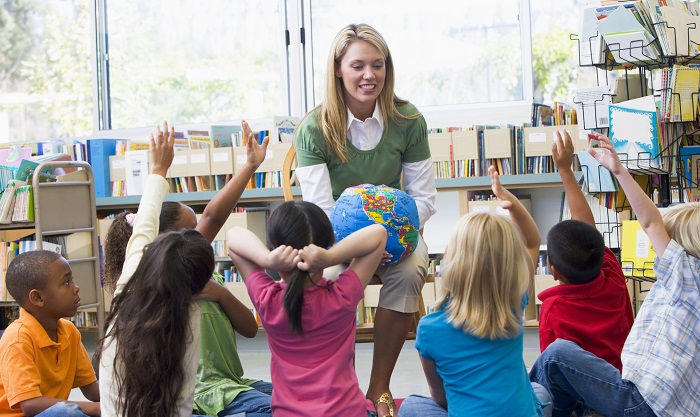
[482,377]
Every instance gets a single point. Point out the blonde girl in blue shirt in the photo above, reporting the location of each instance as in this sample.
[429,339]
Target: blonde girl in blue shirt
[471,348]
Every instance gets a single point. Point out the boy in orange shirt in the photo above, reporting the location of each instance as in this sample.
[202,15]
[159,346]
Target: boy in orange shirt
[41,354]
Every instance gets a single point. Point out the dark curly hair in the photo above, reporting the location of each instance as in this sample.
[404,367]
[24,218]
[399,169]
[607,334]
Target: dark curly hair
[150,320]
[118,237]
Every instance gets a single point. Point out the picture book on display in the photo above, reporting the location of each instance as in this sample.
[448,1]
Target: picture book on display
[598,178]
[221,135]
[634,132]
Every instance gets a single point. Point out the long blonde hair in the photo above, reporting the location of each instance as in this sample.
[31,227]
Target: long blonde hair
[332,113]
[486,273]
[682,224]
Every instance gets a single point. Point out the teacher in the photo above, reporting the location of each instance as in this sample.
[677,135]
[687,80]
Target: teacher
[362,133]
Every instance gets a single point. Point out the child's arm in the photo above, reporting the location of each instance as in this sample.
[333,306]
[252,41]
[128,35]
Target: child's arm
[249,254]
[238,314]
[435,383]
[563,156]
[645,210]
[219,208]
[91,391]
[365,247]
[519,214]
[146,223]
[37,405]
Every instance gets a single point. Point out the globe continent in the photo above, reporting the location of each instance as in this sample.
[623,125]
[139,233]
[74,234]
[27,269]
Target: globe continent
[367,204]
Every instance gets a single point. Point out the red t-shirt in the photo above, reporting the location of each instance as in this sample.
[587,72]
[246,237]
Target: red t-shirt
[596,315]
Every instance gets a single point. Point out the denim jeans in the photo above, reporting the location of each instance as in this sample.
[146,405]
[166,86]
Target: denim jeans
[63,410]
[572,374]
[253,403]
[419,406]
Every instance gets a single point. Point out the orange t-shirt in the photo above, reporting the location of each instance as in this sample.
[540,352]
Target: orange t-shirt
[32,365]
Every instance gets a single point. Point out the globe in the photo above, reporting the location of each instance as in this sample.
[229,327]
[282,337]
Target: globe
[367,204]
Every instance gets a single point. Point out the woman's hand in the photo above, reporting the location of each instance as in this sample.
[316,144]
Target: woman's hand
[161,148]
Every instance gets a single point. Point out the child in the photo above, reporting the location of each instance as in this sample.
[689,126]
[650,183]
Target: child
[221,389]
[310,322]
[472,347]
[592,307]
[660,360]
[148,356]
[41,355]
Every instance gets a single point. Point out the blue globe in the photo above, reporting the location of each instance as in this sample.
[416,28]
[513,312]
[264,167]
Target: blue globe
[367,204]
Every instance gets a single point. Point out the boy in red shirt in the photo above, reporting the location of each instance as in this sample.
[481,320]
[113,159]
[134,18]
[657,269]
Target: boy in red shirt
[591,307]
[41,354]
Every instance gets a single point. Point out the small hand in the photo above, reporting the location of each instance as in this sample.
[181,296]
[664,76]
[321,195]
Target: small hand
[211,291]
[282,258]
[501,193]
[311,257]
[386,257]
[563,151]
[161,148]
[607,155]
[254,151]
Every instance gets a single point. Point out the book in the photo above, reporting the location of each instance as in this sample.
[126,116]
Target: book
[221,135]
[685,83]
[136,171]
[99,151]
[13,156]
[636,254]
[634,132]
[23,210]
[7,200]
[284,129]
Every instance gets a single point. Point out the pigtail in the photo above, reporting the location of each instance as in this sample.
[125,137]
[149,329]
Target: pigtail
[294,299]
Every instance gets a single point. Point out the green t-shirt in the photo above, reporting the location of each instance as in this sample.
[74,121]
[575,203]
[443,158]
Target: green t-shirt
[219,371]
[405,140]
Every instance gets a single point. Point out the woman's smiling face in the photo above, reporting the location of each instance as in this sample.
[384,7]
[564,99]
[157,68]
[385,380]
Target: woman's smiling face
[362,70]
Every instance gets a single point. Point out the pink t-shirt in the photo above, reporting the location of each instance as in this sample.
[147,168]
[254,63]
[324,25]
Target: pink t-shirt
[313,374]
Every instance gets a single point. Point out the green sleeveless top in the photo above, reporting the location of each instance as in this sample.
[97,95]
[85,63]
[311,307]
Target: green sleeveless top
[219,371]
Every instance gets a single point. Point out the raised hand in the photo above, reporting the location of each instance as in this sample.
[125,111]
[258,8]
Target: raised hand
[255,152]
[607,155]
[161,148]
[563,151]
[282,259]
[506,197]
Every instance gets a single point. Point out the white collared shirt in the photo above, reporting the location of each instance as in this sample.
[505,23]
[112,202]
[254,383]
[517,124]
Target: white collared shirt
[418,177]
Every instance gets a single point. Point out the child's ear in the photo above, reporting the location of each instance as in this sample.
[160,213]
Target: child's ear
[556,274]
[36,298]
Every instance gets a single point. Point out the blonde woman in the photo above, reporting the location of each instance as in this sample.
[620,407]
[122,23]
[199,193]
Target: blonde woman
[363,133]
[471,348]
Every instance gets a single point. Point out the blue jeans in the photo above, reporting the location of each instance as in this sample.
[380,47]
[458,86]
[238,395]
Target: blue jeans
[572,374]
[419,406]
[253,403]
[63,410]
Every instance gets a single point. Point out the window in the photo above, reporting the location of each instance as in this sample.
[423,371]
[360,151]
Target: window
[217,60]
[46,69]
[445,52]
[195,61]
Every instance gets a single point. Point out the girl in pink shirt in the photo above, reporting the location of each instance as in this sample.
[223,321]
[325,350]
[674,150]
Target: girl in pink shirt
[310,321]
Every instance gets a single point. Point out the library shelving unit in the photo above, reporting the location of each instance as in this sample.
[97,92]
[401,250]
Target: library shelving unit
[67,208]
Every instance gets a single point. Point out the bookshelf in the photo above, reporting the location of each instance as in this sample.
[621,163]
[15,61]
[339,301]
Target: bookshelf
[66,209]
